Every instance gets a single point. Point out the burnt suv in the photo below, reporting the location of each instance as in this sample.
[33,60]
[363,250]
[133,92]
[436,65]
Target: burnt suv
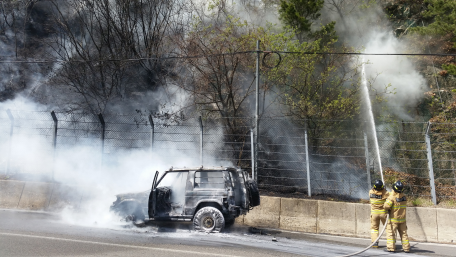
[210,197]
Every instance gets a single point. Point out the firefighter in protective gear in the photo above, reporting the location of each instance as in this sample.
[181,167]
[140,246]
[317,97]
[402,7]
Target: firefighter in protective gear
[396,206]
[378,196]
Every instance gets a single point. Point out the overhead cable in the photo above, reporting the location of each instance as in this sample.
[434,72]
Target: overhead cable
[5,59]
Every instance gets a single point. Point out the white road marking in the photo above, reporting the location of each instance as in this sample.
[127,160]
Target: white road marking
[117,245]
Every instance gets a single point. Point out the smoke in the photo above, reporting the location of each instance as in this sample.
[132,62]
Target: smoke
[255,12]
[100,177]
[79,163]
[398,72]
[367,28]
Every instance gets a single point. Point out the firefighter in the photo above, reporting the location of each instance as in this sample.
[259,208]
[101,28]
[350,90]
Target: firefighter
[378,196]
[396,206]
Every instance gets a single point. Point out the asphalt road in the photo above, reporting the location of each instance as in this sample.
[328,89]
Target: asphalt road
[44,234]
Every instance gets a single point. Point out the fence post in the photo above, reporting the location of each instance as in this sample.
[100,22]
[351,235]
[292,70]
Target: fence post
[309,192]
[201,139]
[152,132]
[8,162]
[102,136]
[54,141]
[431,167]
[366,152]
[252,152]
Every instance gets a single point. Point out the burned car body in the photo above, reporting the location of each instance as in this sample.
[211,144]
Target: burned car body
[210,197]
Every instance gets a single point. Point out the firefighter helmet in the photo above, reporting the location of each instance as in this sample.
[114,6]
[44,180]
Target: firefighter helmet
[378,185]
[398,187]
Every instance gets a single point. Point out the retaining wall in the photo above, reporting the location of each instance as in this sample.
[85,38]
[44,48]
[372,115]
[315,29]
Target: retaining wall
[312,216]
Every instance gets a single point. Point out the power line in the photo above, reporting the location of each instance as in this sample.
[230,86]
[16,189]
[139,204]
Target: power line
[15,60]
[363,54]
[120,60]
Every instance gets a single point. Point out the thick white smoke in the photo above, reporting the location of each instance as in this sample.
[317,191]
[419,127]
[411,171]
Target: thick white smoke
[367,28]
[80,165]
[396,72]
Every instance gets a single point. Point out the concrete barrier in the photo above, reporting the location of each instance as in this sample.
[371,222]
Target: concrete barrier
[446,225]
[10,193]
[362,213]
[336,218]
[239,220]
[63,196]
[299,215]
[265,215]
[422,224]
[35,196]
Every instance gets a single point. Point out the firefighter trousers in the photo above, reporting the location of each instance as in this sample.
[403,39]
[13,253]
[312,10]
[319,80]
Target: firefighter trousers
[392,229]
[375,224]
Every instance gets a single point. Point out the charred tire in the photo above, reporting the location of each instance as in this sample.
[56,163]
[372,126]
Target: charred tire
[131,211]
[208,219]
[254,194]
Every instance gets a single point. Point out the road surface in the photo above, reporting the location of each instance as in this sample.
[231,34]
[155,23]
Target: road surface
[25,233]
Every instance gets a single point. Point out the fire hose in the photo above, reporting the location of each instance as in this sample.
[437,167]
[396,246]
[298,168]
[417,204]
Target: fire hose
[376,240]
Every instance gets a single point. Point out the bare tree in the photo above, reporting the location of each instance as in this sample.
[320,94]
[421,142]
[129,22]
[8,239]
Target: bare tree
[112,48]
[21,36]
[221,74]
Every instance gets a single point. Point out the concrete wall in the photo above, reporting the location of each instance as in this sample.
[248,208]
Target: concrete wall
[268,216]
[446,224]
[298,215]
[37,196]
[422,224]
[336,218]
[10,193]
[312,216]
[349,219]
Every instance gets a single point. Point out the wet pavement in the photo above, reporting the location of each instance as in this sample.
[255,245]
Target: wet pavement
[25,233]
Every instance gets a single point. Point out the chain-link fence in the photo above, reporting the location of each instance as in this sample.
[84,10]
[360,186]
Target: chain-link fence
[311,157]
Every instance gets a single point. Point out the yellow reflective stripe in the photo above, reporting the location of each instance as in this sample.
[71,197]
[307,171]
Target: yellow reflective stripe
[391,240]
[377,201]
[405,242]
[374,231]
[398,220]
[389,202]
[378,211]
[399,207]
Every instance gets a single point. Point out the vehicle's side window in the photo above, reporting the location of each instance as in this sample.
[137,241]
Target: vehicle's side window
[209,179]
[176,181]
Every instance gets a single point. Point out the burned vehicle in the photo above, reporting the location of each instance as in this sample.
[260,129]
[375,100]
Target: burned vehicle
[210,197]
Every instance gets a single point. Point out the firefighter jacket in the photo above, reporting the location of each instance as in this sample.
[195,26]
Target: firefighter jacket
[377,200]
[397,203]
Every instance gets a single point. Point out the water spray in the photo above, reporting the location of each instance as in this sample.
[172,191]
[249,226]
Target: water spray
[374,133]
[371,116]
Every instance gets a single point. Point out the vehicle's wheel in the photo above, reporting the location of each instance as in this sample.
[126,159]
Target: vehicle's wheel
[254,194]
[208,219]
[131,211]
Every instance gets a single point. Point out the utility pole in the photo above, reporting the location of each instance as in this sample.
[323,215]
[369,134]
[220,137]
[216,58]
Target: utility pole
[257,108]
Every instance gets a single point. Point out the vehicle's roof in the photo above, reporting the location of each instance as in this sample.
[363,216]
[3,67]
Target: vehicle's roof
[208,168]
